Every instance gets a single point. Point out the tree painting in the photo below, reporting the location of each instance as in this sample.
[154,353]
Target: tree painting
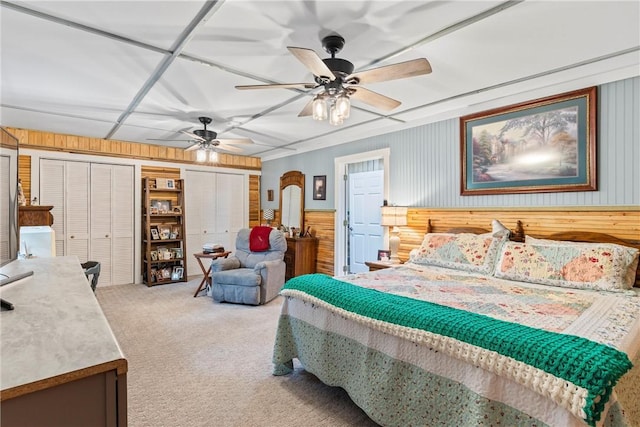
[532,147]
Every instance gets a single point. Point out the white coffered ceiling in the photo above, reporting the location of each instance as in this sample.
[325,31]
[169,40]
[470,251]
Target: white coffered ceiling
[146,70]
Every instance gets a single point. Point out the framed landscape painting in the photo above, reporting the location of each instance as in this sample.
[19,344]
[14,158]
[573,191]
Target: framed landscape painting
[546,145]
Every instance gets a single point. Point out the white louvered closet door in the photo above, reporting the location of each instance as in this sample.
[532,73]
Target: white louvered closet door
[200,213]
[52,191]
[93,214]
[77,210]
[112,222]
[230,210]
[5,196]
[101,219]
[122,254]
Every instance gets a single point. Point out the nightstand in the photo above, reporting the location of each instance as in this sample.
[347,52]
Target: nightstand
[378,265]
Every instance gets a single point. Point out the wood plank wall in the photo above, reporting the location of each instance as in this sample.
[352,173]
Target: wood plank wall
[131,150]
[255,213]
[621,222]
[24,175]
[322,225]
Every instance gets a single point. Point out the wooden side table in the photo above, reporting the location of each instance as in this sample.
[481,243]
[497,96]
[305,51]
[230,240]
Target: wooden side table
[378,265]
[206,279]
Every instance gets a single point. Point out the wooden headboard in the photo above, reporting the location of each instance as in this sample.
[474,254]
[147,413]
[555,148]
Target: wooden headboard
[517,235]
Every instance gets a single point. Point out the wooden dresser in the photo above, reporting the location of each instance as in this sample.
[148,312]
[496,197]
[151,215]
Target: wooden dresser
[301,256]
[60,364]
[35,215]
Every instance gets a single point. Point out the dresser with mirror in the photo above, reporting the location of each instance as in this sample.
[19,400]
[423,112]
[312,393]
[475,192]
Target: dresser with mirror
[302,252]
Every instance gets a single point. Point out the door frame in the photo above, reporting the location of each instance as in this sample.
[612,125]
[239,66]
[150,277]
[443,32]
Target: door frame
[340,202]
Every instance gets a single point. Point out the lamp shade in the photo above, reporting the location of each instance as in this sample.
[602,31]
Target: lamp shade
[393,216]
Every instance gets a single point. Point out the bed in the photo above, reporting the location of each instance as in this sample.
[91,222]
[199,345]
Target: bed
[477,329]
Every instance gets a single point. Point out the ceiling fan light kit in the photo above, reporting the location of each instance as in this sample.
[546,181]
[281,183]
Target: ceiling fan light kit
[339,83]
[206,154]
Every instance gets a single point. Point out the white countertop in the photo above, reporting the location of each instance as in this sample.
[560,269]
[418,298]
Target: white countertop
[57,331]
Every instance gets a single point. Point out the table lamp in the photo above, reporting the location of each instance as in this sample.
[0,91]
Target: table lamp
[268,215]
[394,216]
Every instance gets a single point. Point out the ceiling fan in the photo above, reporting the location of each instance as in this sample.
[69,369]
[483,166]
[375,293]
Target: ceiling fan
[207,140]
[340,83]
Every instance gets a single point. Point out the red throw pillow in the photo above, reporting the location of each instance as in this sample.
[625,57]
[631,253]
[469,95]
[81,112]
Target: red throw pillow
[259,239]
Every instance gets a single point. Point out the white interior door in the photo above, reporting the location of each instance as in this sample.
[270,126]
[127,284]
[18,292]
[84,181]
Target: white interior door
[365,233]
[341,257]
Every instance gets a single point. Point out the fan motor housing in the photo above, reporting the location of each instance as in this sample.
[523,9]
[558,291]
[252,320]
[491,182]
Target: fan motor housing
[206,134]
[340,67]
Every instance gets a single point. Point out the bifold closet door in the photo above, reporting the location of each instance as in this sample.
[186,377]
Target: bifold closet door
[231,208]
[52,191]
[112,222]
[93,214]
[200,205]
[5,196]
[123,246]
[65,186]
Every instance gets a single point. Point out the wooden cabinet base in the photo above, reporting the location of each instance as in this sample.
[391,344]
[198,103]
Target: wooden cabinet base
[97,400]
[301,256]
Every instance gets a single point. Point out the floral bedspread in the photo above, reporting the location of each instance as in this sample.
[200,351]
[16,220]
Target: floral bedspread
[544,307]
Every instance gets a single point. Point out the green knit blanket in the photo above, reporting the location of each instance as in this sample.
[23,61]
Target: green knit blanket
[582,362]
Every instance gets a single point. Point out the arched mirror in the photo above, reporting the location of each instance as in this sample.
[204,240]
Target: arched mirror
[292,199]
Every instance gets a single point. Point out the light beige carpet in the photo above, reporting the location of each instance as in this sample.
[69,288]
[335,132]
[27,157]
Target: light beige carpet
[193,362]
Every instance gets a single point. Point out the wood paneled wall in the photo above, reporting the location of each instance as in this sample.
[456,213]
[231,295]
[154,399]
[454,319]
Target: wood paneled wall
[159,172]
[255,213]
[322,225]
[131,150]
[621,222]
[24,175]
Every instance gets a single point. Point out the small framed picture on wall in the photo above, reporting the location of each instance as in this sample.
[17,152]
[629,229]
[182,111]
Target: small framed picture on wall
[320,187]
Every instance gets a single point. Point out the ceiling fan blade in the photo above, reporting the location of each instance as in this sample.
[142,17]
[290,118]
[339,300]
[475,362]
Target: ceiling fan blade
[235,141]
[193,147]
[228,148]
[401,70]
[307,110]
[372,98]
[279,86]
[312,61]
[168,140]
[192,135]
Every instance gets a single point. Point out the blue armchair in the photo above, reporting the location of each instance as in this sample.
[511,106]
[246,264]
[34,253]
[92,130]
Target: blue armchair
[248,277]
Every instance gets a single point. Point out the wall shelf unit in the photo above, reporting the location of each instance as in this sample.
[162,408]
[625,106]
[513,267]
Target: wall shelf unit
[163,231]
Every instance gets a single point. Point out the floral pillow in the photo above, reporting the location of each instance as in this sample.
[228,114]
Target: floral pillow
[463,251]
[600,266]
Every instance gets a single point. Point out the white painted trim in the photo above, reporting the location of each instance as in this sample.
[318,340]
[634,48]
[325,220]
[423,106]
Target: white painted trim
[340,165]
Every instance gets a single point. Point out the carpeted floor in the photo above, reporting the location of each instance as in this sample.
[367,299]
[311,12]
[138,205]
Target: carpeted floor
[193,362]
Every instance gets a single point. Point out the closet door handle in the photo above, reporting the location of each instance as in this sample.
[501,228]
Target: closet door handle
[106,235]
[71,237]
